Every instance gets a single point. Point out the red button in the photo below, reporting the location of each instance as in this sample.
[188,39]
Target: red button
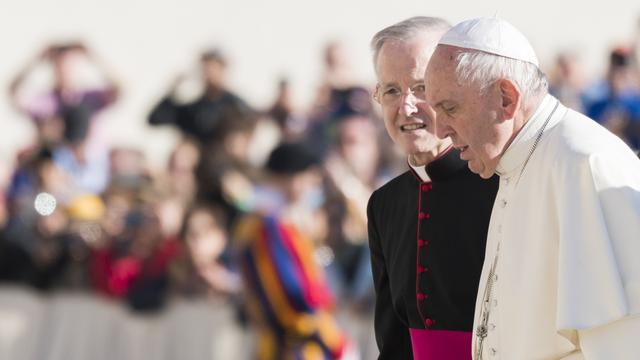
[423,216]
[426,187]
[420,242]
[429,322]
[421,296]
[420,269]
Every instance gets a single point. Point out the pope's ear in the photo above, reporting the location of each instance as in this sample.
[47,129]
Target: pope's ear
[510,97]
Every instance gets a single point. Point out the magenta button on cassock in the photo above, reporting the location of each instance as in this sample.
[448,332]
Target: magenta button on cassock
[440,344]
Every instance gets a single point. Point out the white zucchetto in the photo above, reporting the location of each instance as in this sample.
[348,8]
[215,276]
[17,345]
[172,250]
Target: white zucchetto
[493,36]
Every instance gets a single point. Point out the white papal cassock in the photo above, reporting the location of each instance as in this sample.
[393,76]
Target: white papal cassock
[567,279]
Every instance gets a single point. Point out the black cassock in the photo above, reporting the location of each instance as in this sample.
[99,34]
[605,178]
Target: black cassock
[427,244]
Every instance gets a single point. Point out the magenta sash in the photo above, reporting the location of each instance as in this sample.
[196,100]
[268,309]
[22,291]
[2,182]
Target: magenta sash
[440,344]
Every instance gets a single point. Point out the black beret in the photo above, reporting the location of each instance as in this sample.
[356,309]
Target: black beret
[291,158]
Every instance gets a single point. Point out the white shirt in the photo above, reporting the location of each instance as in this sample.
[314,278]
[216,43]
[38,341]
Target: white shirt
[568,271]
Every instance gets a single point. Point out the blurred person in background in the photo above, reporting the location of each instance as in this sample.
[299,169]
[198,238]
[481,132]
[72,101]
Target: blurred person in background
[216,106]
[76,163]
[338,70]
[128,168]
[339,95]
[355,169]
[225,175]
[636,46]
[291,124]
[221,124]
[87,166]
[49,255]
[636,61]
[615,102]
[15,263]
[337,76]
[131,260]
[67,90]
[286,296]
[52,222]
[37,174]
[179,178]
[427,226]
[85,215]
[321,129]
[567,81]
[205,267]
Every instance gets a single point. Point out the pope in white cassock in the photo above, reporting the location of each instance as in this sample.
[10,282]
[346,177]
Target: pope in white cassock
[561,278]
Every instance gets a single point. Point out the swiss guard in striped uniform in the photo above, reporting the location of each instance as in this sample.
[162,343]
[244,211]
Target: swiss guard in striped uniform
[287,298]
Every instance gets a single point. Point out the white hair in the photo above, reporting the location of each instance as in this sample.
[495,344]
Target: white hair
[484,69]
[405,31]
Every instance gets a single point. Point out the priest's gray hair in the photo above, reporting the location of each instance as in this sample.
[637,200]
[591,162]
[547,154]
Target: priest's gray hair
[484,69]
[406,30]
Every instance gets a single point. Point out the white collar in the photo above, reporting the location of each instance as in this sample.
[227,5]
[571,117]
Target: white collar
[517,152]
[420,170]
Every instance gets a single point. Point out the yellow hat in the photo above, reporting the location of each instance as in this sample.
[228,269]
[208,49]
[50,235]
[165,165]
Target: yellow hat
[86,207]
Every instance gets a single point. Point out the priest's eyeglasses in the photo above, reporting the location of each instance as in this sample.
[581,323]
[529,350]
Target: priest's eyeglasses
[392,95]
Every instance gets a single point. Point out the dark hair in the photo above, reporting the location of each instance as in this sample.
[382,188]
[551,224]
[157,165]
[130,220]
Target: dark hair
[213,55]
[76,122]
[291,158]
[620,57]
[61,48]
[237,119]
[405,30]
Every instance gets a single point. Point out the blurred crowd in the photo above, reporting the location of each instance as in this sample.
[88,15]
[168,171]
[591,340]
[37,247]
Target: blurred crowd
[613,100]
[262,208]
[79,215]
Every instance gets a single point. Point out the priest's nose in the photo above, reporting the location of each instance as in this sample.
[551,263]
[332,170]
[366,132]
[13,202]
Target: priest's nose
[408,106]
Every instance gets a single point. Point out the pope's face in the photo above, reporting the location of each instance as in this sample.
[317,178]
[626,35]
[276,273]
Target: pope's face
[401,93]
[473,120]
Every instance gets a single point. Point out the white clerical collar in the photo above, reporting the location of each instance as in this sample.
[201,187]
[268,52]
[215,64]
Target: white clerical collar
[519,149]
[420,170]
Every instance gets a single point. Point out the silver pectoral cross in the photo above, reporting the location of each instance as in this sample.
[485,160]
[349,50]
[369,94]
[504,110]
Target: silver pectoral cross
[481,331]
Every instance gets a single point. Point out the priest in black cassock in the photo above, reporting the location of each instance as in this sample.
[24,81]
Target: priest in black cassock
[428,226]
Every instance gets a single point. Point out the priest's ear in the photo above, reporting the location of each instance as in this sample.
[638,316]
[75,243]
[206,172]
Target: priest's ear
[510,96]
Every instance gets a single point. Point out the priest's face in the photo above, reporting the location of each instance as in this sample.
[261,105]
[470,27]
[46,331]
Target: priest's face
[473,120]
[400,91]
